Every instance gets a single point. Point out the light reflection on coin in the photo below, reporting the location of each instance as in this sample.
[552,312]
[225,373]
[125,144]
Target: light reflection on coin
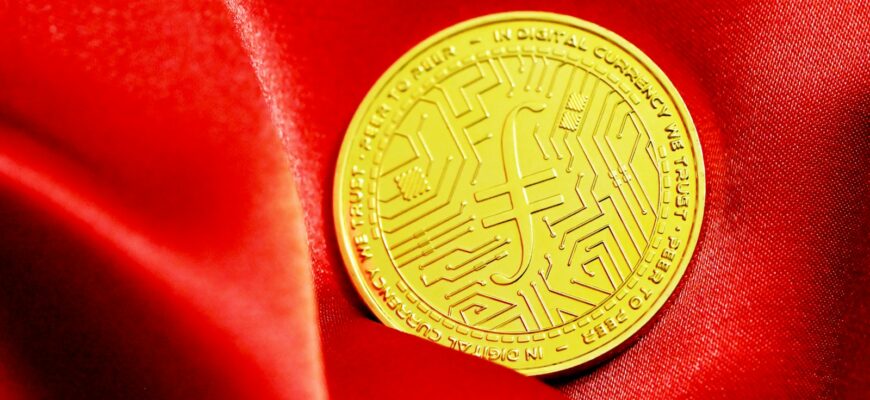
[526,188]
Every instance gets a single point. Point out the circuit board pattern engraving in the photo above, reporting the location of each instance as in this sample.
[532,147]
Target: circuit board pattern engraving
[545,255]
[526,188]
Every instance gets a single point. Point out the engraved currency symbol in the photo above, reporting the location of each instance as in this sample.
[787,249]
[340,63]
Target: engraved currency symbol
[516,185]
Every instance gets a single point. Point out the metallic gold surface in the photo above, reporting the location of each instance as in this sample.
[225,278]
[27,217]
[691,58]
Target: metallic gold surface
[524,187]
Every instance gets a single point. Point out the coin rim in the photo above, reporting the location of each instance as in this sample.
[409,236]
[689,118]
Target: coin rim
[643,323]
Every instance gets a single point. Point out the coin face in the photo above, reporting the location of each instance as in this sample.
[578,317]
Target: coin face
[525,187]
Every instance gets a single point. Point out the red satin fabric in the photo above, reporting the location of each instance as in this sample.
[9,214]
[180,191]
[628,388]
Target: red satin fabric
[165,208]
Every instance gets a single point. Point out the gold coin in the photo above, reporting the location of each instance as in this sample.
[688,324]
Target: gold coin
[524,187]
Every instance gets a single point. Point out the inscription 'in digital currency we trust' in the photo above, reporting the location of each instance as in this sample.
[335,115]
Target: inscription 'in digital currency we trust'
[524,187]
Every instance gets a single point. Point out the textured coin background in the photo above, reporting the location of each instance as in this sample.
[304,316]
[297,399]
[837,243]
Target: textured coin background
[523,187]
